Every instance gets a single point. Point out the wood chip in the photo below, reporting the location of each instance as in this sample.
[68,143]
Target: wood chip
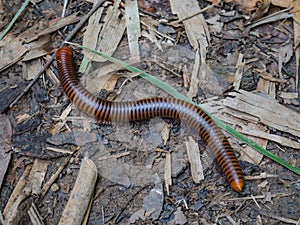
[272,137]
[30,182]
[167,172]
[108,34]
[239,72]
[252,114]
[91,34]
[267,110]
[133,27]
[194,159]
[31,68]
[249,154]
[81,194]
[194,81]
[196,27]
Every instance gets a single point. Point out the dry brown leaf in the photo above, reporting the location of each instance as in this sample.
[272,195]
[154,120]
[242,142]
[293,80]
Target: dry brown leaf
[23,117]
[248,5]
[262,9]
[147,6]
[107,82]
[30,39]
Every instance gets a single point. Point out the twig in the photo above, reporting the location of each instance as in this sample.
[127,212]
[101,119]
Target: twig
[261,176]
[64,8]
[255,201]
[191,16]
[283,14]
[68,38]
[54,176]
[278,195]
[282,219]
[115,220]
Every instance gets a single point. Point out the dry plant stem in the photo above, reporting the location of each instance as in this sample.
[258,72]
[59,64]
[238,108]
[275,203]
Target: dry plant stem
[277,195]
[283,14]
[283,219]
[191,16]
[115,220]
[68,38]
[34,215]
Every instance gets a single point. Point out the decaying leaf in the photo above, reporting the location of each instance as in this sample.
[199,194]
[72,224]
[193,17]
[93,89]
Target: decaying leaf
[251,5]
[262,8]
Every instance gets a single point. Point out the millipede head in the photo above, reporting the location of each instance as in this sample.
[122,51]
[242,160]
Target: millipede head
[64,51]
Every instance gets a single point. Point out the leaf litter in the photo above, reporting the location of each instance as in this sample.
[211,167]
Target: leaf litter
[118,162]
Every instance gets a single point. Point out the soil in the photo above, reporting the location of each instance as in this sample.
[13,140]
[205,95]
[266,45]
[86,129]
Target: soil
[271,200]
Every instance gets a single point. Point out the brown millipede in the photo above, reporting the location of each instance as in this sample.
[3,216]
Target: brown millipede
[194,117]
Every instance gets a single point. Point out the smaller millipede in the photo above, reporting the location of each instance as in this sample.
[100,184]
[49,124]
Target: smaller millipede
[195,118]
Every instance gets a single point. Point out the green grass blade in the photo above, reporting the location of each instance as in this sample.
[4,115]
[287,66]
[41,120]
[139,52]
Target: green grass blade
[14,19]
[172,91]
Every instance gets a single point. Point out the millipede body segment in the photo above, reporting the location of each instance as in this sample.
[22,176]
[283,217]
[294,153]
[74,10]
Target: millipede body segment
[194,117]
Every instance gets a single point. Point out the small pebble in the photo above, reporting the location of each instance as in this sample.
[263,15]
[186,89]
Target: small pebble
[55,187]
[72,160]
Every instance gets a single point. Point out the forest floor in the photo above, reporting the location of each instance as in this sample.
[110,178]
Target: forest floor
[239,62]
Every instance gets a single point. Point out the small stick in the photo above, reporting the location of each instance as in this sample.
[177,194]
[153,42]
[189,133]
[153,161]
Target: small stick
[68,38]
[54,176]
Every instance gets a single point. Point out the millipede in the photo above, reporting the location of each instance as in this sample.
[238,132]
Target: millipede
[108,111]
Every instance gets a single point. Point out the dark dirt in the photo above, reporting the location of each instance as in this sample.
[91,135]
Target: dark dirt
[210,202]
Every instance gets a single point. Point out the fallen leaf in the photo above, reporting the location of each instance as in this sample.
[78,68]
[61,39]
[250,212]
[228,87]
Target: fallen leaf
[179,218]
[247,5]
[153,202]
[22,118]
[262,9]
[147,6]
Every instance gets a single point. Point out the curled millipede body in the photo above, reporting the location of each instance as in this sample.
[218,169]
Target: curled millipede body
[194,117]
